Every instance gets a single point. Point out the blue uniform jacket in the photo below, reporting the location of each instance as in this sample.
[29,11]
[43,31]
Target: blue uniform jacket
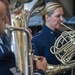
[5,39]
[7,59]
[39,72]
[7,62]
[42,42]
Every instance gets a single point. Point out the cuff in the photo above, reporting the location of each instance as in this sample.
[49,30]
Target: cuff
[39,72]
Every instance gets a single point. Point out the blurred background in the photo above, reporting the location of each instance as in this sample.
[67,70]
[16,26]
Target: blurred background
[36,22]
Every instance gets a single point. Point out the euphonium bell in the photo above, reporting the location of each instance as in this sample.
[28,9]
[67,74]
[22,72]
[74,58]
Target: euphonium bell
[20,35]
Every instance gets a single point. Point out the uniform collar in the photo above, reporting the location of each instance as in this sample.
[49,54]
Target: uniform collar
[47,30]
[1,40]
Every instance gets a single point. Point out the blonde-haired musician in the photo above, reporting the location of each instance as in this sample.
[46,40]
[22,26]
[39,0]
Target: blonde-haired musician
[42,41]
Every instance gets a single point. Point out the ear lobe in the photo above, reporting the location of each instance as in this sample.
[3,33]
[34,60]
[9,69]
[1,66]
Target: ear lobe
[6,20]
[47,17]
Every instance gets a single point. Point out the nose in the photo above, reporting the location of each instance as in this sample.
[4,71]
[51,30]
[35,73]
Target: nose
[61,18]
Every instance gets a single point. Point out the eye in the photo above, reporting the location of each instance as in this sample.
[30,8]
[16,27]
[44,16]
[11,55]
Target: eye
[58,16]
[4,18]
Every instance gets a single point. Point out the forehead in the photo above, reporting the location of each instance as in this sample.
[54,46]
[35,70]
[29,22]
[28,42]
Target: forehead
[2,9]
[58,11]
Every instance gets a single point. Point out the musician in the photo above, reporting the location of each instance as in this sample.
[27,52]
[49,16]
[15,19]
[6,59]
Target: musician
[44,39]
[4,37]
[8,65]
[7,57]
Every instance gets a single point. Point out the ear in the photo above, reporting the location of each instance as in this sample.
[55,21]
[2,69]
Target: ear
[6,20]
[47,18]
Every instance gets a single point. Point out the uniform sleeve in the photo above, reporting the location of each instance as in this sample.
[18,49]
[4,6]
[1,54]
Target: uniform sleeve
[39,72]
[6,39]
[7,62]
[36,47]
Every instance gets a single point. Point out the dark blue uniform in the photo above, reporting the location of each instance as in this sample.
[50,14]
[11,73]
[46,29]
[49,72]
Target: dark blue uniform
[42,42]
[39,72]
[7,62]
[6,39]
[7,59]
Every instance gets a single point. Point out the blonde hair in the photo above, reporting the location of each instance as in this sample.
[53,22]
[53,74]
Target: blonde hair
[49,8]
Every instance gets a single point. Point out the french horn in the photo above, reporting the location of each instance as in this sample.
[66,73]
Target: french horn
[64,50]
[64,47]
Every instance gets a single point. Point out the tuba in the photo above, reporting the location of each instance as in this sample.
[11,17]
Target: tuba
[64,50]
[19,33]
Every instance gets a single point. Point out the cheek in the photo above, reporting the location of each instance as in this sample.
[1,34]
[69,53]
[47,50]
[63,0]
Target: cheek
[54,22]
[3,26]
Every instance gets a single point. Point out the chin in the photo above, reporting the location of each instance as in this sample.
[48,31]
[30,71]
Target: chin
[59,26]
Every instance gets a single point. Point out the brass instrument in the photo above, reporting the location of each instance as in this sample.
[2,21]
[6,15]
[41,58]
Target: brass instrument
[20,35]
[64,46]
[21,45]
[64,50]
